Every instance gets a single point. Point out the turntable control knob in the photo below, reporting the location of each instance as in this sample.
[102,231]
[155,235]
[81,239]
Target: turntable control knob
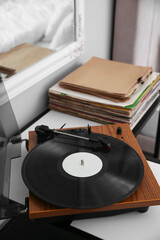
[119,130]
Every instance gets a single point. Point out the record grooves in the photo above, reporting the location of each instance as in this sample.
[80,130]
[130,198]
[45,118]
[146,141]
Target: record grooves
[109,177]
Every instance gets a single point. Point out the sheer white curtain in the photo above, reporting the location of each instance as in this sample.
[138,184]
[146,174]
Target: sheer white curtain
[137,32]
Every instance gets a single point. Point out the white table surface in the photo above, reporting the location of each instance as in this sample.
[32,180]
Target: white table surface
[128,226]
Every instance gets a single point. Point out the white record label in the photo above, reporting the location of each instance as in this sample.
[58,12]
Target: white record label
[82,164]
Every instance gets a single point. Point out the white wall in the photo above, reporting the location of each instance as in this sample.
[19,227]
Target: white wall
[98,30]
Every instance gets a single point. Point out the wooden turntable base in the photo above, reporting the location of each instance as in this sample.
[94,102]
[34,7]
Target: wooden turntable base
[147,194]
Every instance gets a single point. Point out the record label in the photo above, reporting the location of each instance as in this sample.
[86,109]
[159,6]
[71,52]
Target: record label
[82,164]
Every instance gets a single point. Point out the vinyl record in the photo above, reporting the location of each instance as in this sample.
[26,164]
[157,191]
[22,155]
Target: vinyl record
[76,173]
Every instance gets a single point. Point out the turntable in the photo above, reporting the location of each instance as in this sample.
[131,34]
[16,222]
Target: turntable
[118,177]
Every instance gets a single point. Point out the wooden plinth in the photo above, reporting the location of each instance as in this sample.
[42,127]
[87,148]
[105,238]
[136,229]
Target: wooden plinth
[147,194]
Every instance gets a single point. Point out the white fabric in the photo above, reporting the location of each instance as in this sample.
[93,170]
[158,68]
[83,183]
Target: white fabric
[25,21]
[137,33]
[148,35]
[64,34]
[57,18]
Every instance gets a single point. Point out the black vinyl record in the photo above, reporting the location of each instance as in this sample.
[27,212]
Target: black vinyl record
[121,173]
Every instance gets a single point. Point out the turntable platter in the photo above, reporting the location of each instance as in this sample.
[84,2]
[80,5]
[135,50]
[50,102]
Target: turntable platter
[74,173]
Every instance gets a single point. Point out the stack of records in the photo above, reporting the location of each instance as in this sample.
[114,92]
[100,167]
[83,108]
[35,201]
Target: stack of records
[107,79]
[101,91]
